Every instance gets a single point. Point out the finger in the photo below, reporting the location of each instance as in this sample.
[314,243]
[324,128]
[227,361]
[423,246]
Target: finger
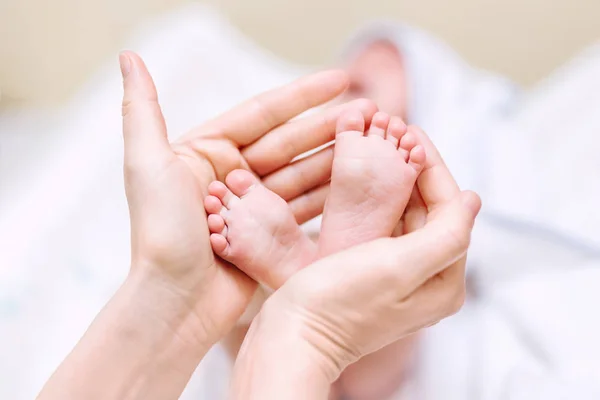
[435,300]
[436,184]
[430,250]
[453,226]
[249,121]
[415,216]
[456,271]
[399,266]
[203,150]
[301,176]
[309,205]
[288,141]
[447,289]
[438,187]
[144,128]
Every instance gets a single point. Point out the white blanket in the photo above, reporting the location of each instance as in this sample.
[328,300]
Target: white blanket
[529,332]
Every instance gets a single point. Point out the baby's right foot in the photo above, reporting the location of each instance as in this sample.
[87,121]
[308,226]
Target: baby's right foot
[255,229]
[373,176]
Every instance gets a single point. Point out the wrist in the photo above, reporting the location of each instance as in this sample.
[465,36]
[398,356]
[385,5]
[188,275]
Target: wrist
[233,340]
[157,335]
[174,316]
[279,359]
[140,346]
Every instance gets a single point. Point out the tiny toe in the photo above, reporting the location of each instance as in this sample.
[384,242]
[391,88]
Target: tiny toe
[396,129]
[379,124]
[241,182]
[213,205]
[216,223]
[351,123]
[407,143]
[219,244]
[221,191]
[417,158]
[217,189]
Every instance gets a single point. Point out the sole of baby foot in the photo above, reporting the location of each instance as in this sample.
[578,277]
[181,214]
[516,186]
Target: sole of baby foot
[373,175]
[255,229]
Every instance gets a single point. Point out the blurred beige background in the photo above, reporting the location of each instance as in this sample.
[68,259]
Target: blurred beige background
[48,48]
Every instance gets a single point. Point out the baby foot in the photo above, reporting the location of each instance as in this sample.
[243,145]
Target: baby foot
[373,176]
[254,229]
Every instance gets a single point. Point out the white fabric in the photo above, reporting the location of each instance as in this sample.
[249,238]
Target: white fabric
[529,331]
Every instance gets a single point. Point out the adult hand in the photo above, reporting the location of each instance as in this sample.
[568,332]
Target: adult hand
[343,307]
[167,184]
[383,373]
[178,299]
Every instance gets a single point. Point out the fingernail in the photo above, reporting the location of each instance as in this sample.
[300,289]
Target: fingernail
[125,63]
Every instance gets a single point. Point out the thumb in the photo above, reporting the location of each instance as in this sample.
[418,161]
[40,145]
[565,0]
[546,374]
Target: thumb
[441,243]
[144,128]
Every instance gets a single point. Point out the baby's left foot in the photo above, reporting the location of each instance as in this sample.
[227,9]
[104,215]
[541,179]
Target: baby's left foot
[374,173]
[255,229]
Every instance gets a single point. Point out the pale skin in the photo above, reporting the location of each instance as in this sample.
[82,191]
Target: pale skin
[326,317]
[178,299]
[373,73]
[374,172]
[377,73]
[254,229]
[152,334]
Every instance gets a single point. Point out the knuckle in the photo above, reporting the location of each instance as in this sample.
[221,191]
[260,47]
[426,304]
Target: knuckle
[126,107]
[401,278]
[456,300]
[261,109]
[134,168]
[457,237]
[398,278]
[300,175]
[325,121]
[304,100]
[288,146]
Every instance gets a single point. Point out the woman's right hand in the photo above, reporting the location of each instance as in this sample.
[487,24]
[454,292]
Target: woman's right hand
[353,303]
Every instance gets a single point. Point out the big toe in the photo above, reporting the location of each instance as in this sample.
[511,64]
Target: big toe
[241,182]
[351,123]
